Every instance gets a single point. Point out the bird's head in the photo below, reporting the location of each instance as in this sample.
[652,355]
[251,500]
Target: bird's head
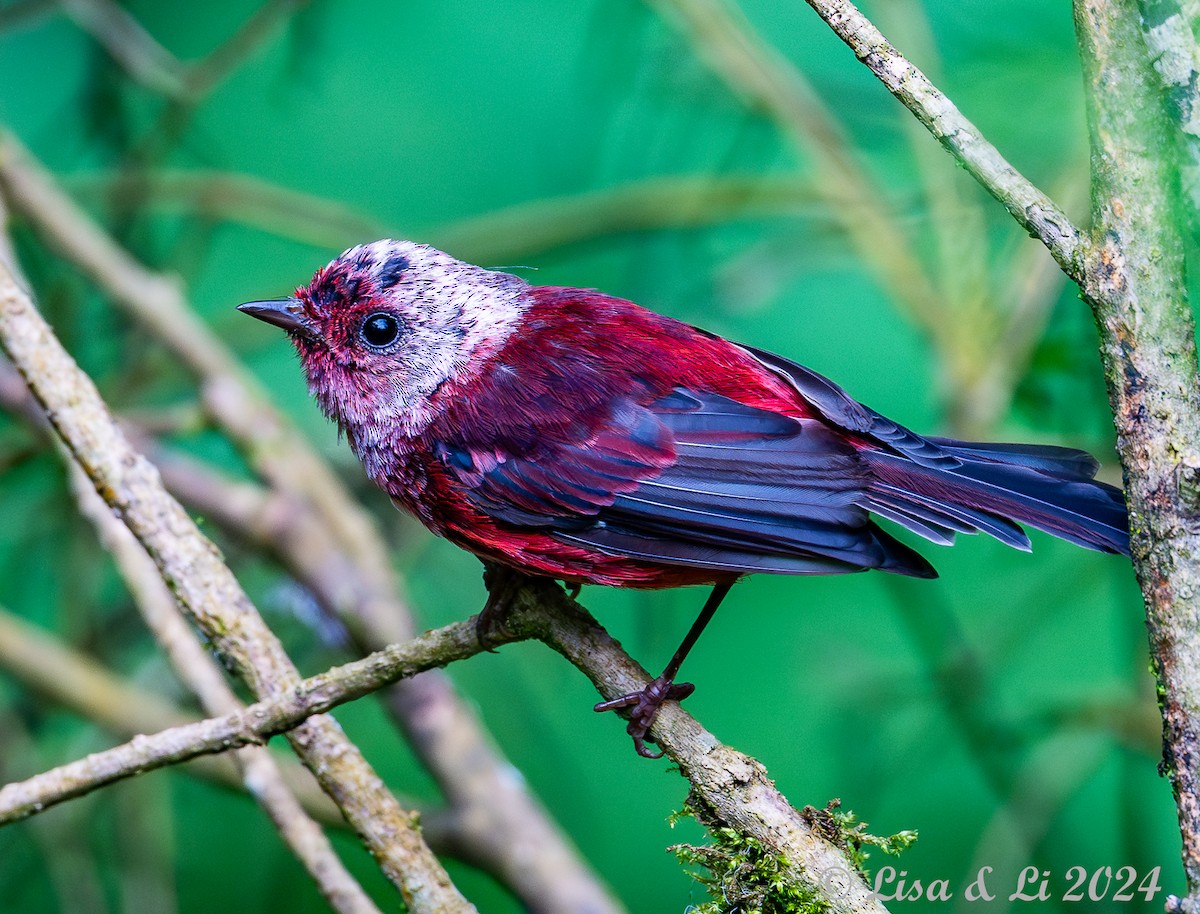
[383,326]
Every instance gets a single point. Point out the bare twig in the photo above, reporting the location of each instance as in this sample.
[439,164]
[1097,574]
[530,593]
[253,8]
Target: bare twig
[213,598]
[654,203]
[129,43]
[230,197]
[1032,209]
[62,675]
[196,668]
[210,71]
[252,725]
[504,236]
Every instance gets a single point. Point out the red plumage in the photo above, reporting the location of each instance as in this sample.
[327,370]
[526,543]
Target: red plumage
[578,352]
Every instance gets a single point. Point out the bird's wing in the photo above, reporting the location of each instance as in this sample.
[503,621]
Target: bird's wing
[692,479]
[840,409]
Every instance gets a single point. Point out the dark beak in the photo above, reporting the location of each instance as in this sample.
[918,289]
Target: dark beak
[284,312]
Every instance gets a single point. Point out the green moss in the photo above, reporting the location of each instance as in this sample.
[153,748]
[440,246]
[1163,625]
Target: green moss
[744,877]
[842,828]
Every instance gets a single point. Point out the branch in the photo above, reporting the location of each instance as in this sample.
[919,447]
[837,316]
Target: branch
[64,676]
[1032,209]
[253,725]
[77,682]
[504,236]
[1135,283]
[733,787]
[199,672]
[129,44]
[212,597]
[210,71]
[498,824]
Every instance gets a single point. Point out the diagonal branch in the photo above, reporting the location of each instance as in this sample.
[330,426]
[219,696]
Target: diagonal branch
[733,787]
[43,664]
[249,726]
[198,671]
[207,590]
[1033,210]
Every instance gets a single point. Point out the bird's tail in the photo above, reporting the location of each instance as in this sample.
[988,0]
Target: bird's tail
[996,487]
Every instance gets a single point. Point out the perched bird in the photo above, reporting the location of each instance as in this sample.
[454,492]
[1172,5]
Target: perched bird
[568,434]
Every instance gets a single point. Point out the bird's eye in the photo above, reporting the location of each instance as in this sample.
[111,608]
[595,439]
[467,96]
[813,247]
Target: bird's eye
[380,330]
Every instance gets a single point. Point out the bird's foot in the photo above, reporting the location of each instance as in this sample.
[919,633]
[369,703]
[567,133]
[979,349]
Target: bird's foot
[491,625]
[643,706]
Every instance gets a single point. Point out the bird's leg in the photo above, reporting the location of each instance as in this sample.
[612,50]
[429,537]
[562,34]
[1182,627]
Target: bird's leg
[644,704]
[501,582]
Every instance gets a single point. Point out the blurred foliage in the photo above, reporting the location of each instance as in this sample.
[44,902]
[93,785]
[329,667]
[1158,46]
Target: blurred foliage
[1005,710]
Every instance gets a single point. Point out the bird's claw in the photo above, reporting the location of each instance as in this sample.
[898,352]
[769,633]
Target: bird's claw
[644,707]
[491,625]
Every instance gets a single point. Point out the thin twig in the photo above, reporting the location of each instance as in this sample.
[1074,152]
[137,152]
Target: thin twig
[43,664]
[504,236]
[128,42]
[252,725]
[1033,210]
[210,71]
[197,670]
[212,597]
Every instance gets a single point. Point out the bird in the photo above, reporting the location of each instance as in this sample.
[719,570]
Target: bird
[564,433]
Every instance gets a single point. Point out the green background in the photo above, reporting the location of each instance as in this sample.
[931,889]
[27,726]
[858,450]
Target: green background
[1004,711]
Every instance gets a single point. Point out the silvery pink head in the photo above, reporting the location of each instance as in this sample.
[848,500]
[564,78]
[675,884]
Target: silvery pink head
[383,326]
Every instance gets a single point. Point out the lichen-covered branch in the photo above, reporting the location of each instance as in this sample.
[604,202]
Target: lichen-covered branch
[207,590]
[1134,281]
